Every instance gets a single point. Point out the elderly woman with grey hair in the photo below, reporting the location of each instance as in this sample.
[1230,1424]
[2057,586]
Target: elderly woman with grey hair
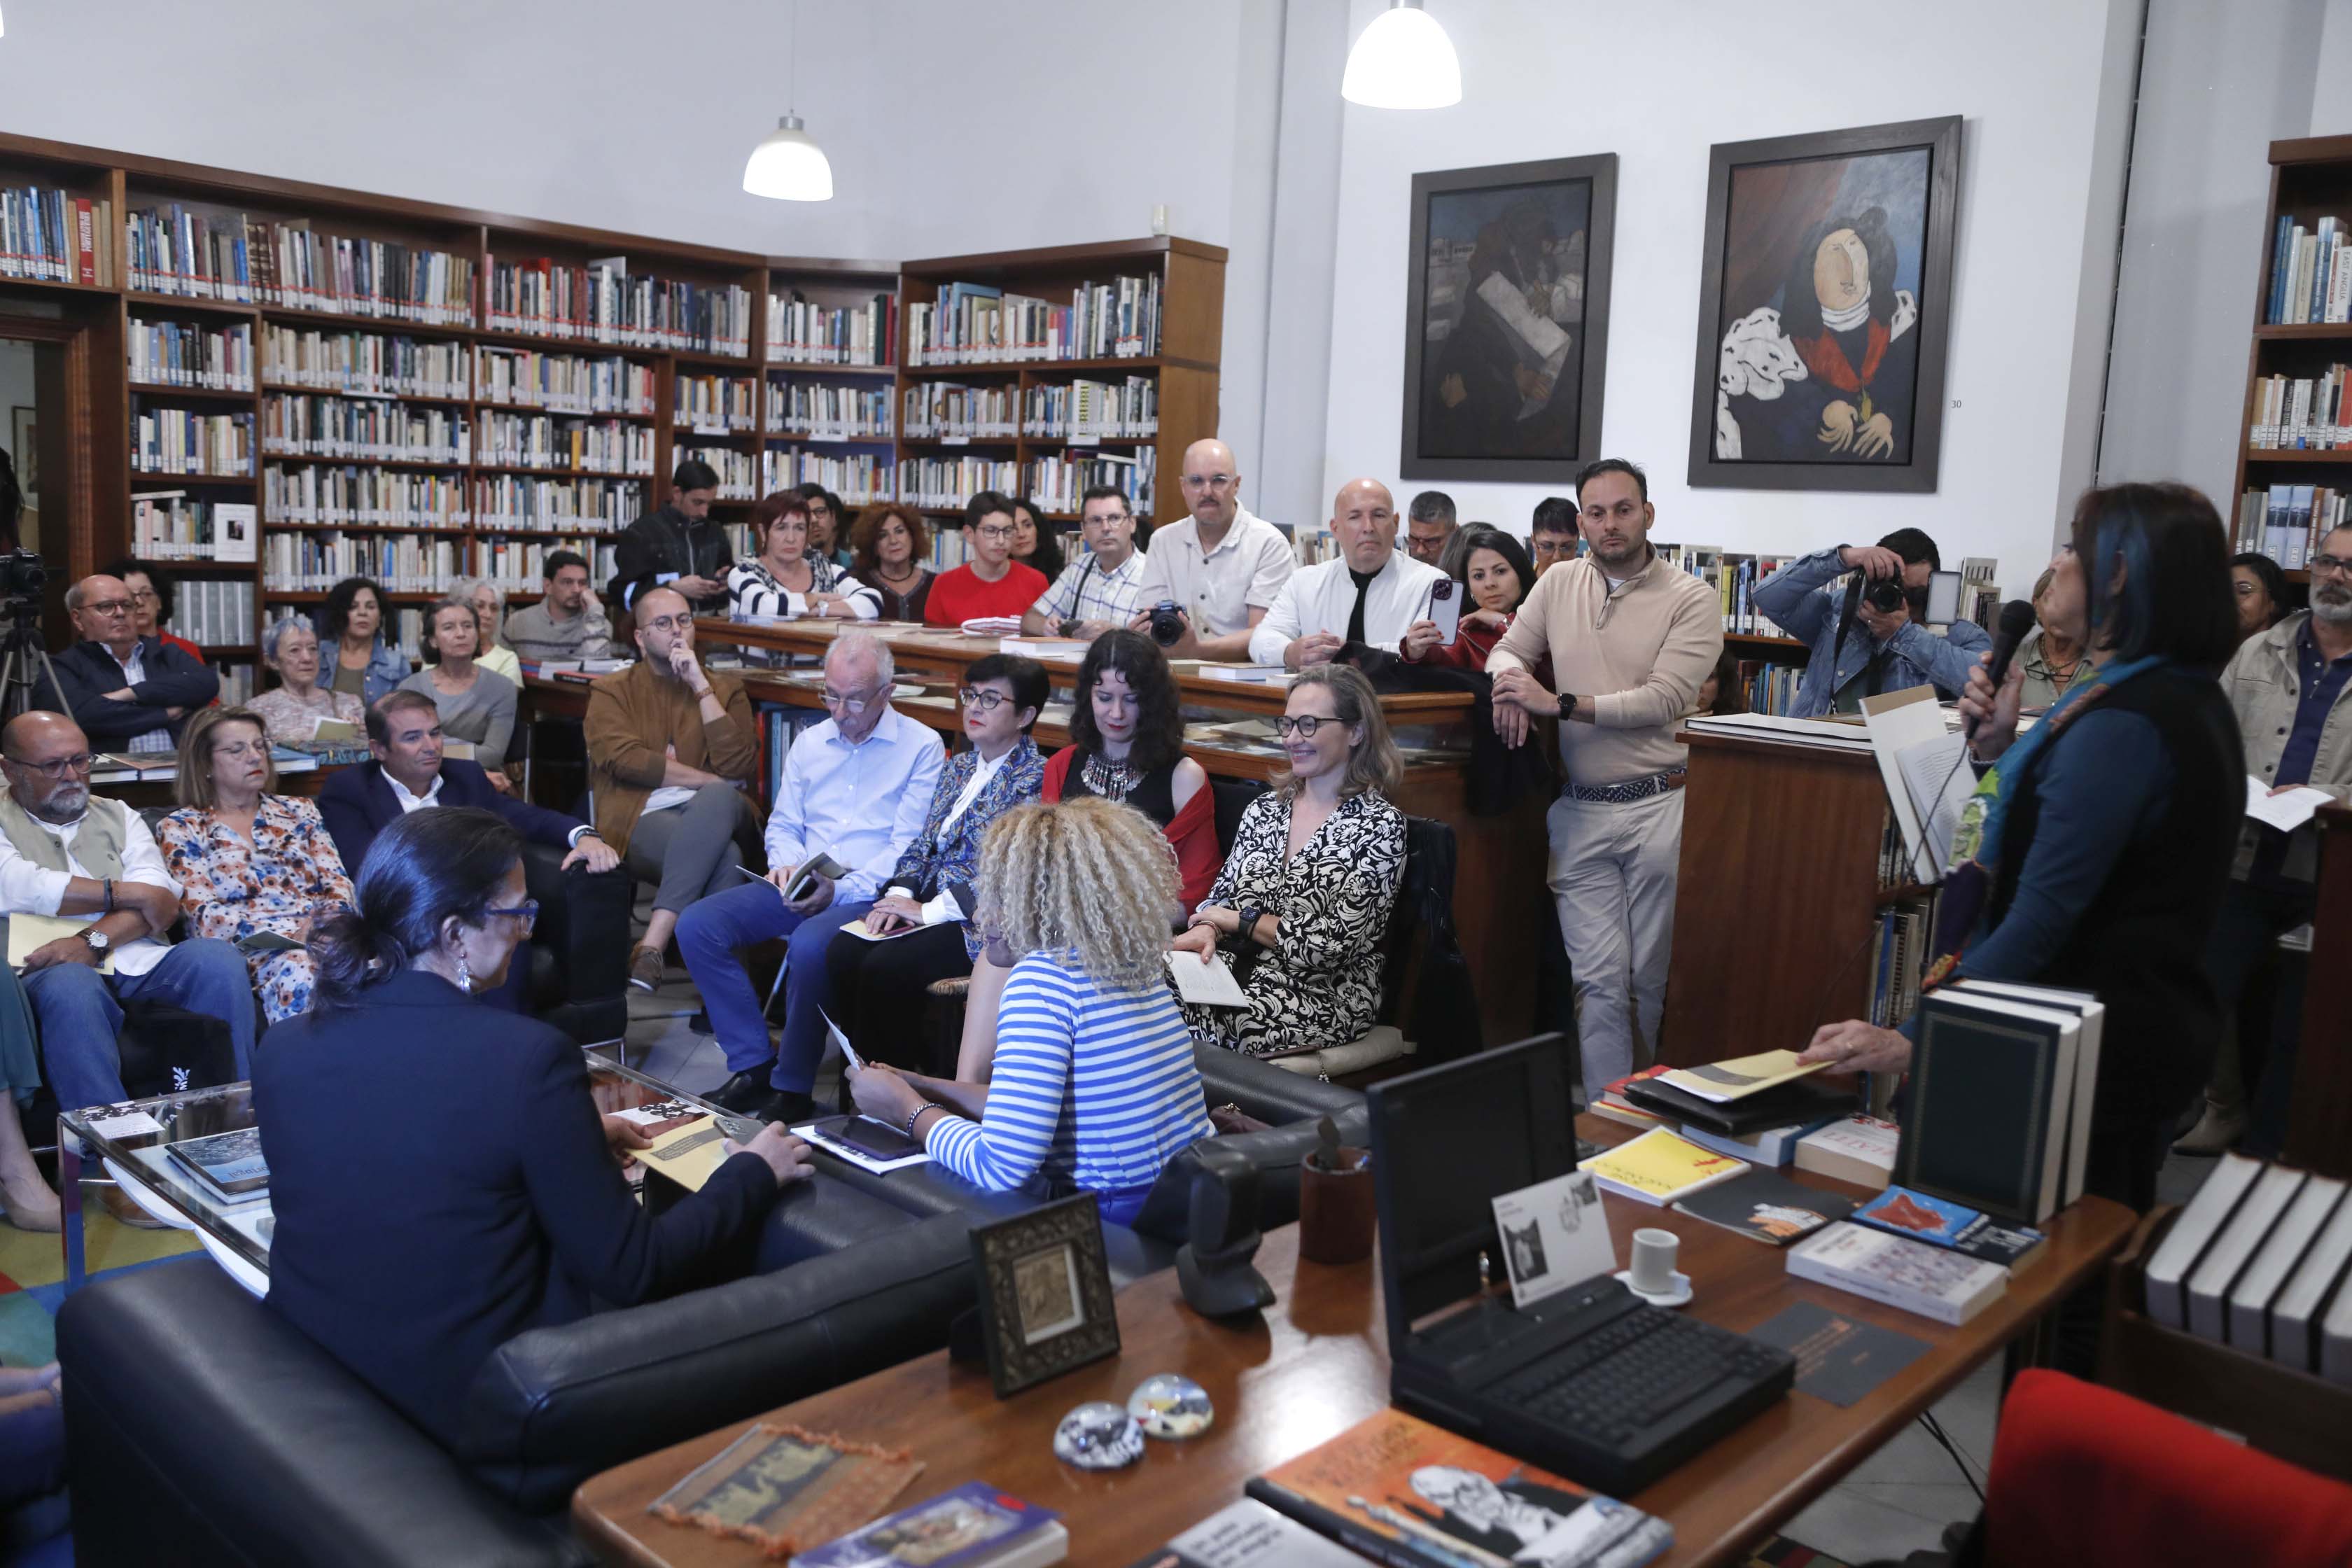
[293,709]
[489,601]
[477,704]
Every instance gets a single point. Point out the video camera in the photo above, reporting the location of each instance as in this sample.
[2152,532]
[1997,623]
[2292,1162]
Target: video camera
[23,577]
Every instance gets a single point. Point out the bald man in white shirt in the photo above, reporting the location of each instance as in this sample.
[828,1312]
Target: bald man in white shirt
[1368,594]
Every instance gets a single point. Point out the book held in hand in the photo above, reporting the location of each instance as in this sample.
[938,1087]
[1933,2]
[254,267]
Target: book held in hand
[1741,1075]
[1911,1275]
[1206,985]
[1939,1222]
[1767,1206]
[1399,1491]
[1660,1167]
[974,1526]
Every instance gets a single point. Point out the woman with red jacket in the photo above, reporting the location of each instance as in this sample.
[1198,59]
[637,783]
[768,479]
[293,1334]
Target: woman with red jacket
[1497,575]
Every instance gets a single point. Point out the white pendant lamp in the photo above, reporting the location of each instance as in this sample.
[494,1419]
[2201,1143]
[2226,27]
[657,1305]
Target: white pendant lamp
[1403,60]
[788,164]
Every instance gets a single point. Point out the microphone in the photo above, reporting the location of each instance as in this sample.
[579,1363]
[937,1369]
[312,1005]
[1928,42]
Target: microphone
[2016,621]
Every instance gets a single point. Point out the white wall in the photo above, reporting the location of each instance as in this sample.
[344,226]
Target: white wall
[1657,85]
[2217,87]
[951,128]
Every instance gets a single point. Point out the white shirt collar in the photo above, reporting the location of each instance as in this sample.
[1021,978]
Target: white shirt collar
[1232,539]
[408,802]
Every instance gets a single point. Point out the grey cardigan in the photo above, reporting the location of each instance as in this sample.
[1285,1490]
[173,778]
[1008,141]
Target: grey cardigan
[484,713]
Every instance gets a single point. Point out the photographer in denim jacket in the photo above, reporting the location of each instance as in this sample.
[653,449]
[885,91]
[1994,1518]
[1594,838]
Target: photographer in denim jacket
[1872,635]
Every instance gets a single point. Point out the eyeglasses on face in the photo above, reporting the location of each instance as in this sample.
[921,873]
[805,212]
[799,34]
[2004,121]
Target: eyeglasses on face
[668,623]
[144,596]
[526,911]
[1304,724]
[995,531]
[1208,481]
[2329,566]
[986,699]
[58,767]
[240,749]
[849,707]
[109,608]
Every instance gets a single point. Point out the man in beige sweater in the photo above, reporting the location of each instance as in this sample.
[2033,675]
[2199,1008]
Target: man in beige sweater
[1630,639]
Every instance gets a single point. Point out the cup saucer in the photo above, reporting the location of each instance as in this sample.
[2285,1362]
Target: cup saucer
[1678,1293]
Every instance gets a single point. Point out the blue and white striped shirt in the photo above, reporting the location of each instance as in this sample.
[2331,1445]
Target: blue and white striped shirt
[1091,1086]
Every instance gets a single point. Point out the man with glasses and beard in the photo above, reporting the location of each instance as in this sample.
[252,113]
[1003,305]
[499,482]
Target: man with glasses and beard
[670,747]
[856,790]
[2292,689]
[65,852]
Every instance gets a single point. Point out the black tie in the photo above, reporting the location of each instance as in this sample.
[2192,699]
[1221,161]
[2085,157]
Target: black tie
[1356,616]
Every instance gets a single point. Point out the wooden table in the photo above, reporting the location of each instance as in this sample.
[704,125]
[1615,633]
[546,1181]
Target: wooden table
[1318,1363]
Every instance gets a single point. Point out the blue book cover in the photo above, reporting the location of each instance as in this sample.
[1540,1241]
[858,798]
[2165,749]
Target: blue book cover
[975,1523]
[1953,1226]
[2274,313]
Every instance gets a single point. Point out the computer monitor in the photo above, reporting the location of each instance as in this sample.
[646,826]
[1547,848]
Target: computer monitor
[1448,1140]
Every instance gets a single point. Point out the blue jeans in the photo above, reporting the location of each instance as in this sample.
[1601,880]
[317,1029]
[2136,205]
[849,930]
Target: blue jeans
[79,1015]
[709,932]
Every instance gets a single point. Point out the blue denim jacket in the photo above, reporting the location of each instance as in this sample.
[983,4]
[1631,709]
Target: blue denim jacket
[1798,601]
[387,670]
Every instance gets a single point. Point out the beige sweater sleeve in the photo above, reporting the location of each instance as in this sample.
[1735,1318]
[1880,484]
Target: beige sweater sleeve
[1694,642]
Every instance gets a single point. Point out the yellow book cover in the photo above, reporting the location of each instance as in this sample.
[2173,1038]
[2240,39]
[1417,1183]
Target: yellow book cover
[690,1153]
[1739,1077]
[1661,1166]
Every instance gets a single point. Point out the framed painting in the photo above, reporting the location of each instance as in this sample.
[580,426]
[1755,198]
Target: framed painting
[1824,310]
[1506,321]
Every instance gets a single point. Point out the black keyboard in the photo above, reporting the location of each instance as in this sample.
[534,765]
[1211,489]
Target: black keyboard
[1616,1408]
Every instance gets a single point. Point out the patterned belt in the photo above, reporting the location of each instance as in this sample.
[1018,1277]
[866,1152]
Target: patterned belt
[1631,790]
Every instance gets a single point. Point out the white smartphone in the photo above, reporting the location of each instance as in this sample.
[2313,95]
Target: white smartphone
[1446,608]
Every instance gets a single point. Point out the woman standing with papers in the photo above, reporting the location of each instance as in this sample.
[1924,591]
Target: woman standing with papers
[2097,845]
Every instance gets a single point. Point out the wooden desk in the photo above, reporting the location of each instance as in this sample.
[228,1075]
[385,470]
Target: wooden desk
[1316,1365]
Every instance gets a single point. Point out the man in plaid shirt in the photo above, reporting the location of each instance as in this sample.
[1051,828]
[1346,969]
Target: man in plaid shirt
[1097,591]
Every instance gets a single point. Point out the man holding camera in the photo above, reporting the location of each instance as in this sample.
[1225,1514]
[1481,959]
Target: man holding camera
[1217,571]
[1871,636]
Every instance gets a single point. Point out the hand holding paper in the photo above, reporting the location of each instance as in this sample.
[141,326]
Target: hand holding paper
[2287,810]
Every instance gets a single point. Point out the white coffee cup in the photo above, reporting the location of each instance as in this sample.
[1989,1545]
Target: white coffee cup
[1653,1261]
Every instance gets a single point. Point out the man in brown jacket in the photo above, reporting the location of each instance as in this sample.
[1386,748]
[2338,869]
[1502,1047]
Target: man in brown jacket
[1629,638]
[670,748]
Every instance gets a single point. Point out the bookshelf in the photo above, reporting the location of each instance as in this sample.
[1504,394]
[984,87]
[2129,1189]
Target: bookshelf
[2291,459]
[432,391]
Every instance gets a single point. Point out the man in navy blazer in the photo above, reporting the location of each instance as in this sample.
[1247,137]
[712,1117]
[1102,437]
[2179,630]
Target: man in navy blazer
[410,774]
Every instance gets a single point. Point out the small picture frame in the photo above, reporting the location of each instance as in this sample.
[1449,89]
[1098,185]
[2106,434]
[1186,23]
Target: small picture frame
[1045,1304]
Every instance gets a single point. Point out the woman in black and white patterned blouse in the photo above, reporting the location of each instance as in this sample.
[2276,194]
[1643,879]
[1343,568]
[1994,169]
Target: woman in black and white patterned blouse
[1312,877]
[785,578]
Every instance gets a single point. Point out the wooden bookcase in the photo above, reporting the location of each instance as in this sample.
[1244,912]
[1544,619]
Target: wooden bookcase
[2311,178]
[88,479]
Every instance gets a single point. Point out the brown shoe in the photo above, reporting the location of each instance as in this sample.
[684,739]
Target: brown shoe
[645,967]
[35,1208]
[126,1211]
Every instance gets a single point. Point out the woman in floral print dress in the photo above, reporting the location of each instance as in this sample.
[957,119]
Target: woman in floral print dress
[247,860]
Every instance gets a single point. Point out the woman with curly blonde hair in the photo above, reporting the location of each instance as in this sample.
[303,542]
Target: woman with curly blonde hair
[1093,1086]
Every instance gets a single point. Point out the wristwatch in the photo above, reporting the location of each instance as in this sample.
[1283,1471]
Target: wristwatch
[1247,930]
[98,940]
[1568,705]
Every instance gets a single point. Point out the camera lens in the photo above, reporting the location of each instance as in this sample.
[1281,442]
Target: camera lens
[1166,627]
[1886,595]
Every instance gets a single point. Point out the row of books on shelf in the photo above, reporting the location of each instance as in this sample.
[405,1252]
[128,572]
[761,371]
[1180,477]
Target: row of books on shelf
[170,525]
[291,265]
[945,409]
[402,563]
[740,473]
[321,425]
[2301,414]
[801,331]
[2286,521]
[2261,1260]
[1769,685]
[979,323]
[601,303]
[182,354]
[1905,932]
[213,612]
[562,383]
[56,237]
[182,441]
[1128,409]
[1056,483]
[829,412]
[323,496]
[715,403]
[377,364]
[560,441]
[858,479]
[520,566]
[2308,280]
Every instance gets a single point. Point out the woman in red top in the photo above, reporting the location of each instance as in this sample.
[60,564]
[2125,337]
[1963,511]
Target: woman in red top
[1495,571]
[991,583]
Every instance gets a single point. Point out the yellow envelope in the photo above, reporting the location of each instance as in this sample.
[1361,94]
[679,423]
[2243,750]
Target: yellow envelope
[26,932]
[690,1154]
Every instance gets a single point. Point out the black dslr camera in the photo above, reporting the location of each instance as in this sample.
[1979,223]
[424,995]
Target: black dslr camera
[1886,595]
[1167,624]
[23,578]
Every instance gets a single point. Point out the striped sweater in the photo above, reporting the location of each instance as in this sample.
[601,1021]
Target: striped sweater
[1092,1087]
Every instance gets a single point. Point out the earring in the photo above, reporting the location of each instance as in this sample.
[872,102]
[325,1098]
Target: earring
[464,974]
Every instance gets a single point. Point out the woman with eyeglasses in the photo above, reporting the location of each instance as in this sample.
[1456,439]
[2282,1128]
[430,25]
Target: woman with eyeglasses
[927,909]
[789,576]
[411,1268]
[1307,892]
[251,864]
[293,708]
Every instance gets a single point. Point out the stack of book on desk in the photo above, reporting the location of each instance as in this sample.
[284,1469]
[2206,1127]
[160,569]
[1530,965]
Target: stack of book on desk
[2259,1261]
[1999,1115]
[1755,1109]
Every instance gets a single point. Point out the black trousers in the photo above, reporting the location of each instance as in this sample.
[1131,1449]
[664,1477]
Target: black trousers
[882,989]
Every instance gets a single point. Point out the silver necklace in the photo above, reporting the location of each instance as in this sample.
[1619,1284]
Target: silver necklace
[1106,778]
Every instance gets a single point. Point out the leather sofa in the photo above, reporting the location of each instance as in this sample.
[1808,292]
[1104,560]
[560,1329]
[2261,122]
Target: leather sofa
[201,1429]
[579,950]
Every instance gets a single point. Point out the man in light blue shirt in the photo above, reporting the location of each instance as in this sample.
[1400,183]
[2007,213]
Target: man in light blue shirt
[854,788]
[1871,651]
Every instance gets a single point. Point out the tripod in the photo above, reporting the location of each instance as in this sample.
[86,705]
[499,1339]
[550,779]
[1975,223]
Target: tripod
[24,664]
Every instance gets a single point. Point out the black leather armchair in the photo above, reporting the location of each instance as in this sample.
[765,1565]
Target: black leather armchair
[579,949]
[202,1429]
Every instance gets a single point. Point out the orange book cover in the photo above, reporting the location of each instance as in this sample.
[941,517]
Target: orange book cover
[1400,1490]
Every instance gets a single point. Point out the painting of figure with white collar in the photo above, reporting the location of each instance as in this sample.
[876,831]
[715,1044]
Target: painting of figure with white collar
[1830,297]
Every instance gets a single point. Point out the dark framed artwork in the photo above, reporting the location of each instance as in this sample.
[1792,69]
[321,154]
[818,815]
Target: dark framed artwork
[1045,1302]
[1824,310]
[1506,320]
